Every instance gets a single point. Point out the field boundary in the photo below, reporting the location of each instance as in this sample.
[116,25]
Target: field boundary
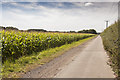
[51,68]
[33,61]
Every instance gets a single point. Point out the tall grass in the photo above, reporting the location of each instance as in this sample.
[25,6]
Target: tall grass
[111,42]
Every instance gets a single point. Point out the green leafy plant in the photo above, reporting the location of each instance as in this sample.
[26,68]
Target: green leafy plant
[16,44]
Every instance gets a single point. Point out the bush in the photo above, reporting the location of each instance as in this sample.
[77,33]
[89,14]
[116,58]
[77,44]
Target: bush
[111,42]
[92,31]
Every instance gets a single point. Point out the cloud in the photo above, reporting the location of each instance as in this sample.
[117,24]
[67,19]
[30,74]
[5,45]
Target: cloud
[88,4]
[78,4]
[23,5]
[60,0]
[50,16]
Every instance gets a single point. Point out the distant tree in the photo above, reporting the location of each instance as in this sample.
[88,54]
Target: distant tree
[88,31]
[2,28]
[72,32]
[92,31]
[56,31]
[8,28]
[11,28]
[38,30]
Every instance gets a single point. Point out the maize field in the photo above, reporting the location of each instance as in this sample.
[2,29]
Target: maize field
[16,44]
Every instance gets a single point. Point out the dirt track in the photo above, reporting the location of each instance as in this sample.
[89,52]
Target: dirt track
[88,60]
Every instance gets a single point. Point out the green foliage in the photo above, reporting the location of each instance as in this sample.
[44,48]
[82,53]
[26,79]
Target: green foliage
[42,30]
[8,28]
[111,41]
[1,27]
[88,31]
[16,44]
[25,63]
[72,32]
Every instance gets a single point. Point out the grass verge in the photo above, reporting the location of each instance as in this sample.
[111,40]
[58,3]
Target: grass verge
[110,37]
[26,63]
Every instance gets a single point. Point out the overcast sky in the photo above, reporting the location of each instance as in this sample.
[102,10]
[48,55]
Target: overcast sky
[60,16]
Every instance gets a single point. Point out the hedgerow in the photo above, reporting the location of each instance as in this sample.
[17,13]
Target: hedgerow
[111,42]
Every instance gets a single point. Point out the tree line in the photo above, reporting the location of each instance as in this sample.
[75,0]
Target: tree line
[92,31]
[88,31]
[8,28]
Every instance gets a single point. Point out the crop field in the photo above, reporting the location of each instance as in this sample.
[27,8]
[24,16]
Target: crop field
[111,41]
[16,44]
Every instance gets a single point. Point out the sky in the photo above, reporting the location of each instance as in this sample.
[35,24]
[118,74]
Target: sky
[58,16]
[60,0]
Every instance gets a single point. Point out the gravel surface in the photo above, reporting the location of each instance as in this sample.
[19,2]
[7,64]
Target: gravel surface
[87,60]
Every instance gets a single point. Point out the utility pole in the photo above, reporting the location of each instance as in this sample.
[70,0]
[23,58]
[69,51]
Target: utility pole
[106,23]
